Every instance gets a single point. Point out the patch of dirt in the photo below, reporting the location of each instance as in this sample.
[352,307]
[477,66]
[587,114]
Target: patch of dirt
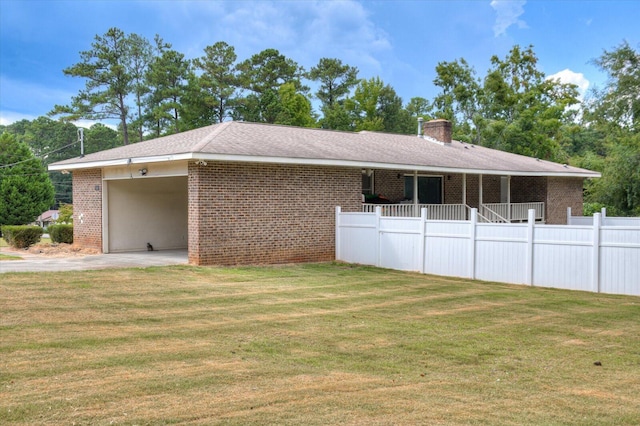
[53,250]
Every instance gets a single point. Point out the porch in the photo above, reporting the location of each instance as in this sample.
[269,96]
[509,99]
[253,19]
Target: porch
[488,213]
[451,196]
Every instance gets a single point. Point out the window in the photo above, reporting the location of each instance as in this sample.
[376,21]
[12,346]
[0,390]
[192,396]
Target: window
[429,189]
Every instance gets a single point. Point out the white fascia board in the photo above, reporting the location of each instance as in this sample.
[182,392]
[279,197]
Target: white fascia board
[119,162]
[309,162]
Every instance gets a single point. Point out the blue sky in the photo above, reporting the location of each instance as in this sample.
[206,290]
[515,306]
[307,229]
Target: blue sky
[399,41]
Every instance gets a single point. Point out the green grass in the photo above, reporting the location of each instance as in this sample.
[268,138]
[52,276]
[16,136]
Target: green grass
[311,344]
[9,257]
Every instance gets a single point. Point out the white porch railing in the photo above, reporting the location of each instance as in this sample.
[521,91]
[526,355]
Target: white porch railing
[511,212]
[434,211]
[494,212]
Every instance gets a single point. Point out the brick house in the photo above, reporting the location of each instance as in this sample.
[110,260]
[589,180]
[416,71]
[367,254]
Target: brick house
[247,193]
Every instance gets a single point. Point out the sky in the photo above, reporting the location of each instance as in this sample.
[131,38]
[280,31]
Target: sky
[399,41]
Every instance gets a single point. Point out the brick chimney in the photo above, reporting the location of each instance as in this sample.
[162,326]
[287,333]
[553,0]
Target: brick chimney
[438,129]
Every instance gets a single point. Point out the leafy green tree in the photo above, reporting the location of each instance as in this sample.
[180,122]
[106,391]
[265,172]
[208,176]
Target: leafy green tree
[515,109]
[99,137]
[460,99]
[261,76]
[612,133]
[420,107]
[65,214]
[51,141]
[375,106]
[25,188]
[106,69]
[295,108]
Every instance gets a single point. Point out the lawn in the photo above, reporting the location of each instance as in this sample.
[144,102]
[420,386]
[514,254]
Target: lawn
[311,344]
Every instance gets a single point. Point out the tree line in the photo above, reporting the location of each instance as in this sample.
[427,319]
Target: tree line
[152,90]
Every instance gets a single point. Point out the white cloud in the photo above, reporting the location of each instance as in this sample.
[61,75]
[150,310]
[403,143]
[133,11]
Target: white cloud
[10,117]
[508,14]
[570,77]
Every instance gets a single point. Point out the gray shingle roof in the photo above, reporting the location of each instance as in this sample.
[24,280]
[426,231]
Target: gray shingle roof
[251,142]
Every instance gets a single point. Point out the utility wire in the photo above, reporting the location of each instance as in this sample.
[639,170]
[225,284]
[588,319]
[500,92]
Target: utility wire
[38,158]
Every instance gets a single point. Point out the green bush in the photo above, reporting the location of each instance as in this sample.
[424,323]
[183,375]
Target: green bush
[21,236]
[61,233]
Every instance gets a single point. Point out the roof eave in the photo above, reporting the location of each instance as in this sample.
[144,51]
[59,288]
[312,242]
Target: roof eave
[310,162]
[119,162]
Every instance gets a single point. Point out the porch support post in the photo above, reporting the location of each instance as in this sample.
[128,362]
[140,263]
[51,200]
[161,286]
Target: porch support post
[464,189]
[480,201]
[415,193]
[509,198]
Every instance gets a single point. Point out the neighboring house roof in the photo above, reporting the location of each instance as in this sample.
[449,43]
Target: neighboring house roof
[253,142]
[48,216]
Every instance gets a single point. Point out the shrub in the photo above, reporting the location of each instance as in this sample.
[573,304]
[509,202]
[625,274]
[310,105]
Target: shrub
[61,233]
[21,236]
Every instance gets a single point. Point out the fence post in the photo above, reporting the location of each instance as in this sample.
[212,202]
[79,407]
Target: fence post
[531,220]
[595,258]
[422,246]
[338,232]
[472,243]
[378,248]
[568,215]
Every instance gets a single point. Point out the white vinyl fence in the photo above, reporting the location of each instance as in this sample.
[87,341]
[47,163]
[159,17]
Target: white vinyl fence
[580,257]
[604,219]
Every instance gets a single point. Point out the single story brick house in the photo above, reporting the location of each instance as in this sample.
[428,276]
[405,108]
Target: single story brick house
[247,193]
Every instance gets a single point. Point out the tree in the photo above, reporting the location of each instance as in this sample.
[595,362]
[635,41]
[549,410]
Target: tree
[25,188]
[262,75]
[513,108]
[51,141]
[167,79]
[99,137]
[295,108]
[140,56]
[218,82]
[106,68]
[376,107]
[612,118]
[459,99]
[336,80]
[619,102]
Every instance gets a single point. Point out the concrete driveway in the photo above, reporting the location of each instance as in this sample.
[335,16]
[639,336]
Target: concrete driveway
[38,263]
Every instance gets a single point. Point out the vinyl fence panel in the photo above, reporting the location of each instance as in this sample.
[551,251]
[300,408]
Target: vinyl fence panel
[620,260]
[562,257]
[448,248]
[589,258]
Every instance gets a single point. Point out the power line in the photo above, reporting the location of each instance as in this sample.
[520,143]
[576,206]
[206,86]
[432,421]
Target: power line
[39,158]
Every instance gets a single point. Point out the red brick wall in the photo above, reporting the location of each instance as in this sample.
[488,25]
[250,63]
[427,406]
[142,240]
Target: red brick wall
[387,184]
[259,214]
[562,193]
[528,189]
[87,208]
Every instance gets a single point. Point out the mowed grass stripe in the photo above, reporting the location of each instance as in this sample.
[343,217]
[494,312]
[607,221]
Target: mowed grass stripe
[310,344]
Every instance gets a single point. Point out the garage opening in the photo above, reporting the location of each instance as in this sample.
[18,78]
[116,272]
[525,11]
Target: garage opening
[141,211]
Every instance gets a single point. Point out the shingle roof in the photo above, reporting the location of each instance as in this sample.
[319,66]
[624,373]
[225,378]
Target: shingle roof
[253,142]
